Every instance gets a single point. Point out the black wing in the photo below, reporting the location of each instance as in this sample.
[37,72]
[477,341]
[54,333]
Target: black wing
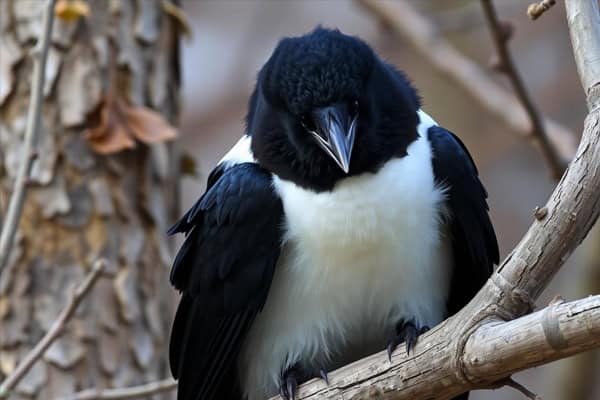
[224,269]
[473,239]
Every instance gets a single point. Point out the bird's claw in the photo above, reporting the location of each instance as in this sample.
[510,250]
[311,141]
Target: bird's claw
[290,379]
[287,387]
[323,375]
[294,376]
[406,332]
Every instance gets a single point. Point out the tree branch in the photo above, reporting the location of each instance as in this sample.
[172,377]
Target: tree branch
[406,22]
[584,29]
[498,349]
[15,206]
[501,35]
[495,350]
[54,332]
[134,392]
[477,348]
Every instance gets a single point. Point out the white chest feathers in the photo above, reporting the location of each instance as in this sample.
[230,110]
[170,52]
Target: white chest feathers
[356,260]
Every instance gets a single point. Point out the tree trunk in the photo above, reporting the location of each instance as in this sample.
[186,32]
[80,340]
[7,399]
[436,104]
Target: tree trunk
[83,204]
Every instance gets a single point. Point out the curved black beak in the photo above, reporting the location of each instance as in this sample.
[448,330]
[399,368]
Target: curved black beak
[334,131]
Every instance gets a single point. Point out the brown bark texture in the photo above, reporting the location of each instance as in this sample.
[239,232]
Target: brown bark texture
[82,205]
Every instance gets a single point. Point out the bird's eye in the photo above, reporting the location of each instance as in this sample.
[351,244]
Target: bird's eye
[307,122]
[355,107]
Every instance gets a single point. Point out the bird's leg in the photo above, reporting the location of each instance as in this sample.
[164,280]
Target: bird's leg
[289,381]
[407,332]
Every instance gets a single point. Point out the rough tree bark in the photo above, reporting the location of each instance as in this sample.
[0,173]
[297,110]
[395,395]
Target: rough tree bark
[83,205]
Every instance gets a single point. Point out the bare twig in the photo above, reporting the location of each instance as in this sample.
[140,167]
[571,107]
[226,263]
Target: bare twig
[15,206]
[125,393]
[507,66]
[517,386]
[535,10]
[402,19]
[55,330]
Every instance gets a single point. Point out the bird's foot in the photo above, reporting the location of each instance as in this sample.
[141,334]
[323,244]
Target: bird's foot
[407,332]
[294,376]
[290,379]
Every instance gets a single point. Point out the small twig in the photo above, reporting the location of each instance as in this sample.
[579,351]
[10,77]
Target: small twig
[535,10]
[501,35]
[517,386]
[15,206]
[125,393]
[55,330]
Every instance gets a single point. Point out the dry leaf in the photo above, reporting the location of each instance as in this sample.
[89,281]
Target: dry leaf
[110,135]
[110,141]
[149,126]
[179,16]
[115,126]
[71,10]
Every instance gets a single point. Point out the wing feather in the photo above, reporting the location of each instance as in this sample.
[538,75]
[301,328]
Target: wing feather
[224,270]
[474,244]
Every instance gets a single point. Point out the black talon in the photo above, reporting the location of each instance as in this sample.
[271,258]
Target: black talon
[406,332]
[324,376]
[290,379]
[291,388]
[287,387]
[390,348]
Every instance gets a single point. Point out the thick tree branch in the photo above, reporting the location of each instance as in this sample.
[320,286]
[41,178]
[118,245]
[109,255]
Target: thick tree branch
[498,349]
[134,392]
[15,206]
[55,330]
[501,35]
[456,356]
[406,22]
[492,352]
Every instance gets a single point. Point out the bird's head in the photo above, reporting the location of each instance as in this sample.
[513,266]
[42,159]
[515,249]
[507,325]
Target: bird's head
[326,107]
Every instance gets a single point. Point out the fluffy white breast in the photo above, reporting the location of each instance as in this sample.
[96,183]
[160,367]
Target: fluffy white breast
[355,261]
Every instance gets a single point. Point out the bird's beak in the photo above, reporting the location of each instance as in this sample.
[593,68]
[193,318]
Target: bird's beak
[334,131]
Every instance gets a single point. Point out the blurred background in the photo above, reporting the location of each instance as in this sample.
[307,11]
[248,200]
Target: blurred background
[232,39]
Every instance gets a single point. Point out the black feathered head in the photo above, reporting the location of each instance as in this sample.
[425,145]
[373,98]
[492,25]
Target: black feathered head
[326,107]
[315,70]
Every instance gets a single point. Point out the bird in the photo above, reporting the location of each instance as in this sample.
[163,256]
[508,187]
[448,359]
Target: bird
[344,222]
